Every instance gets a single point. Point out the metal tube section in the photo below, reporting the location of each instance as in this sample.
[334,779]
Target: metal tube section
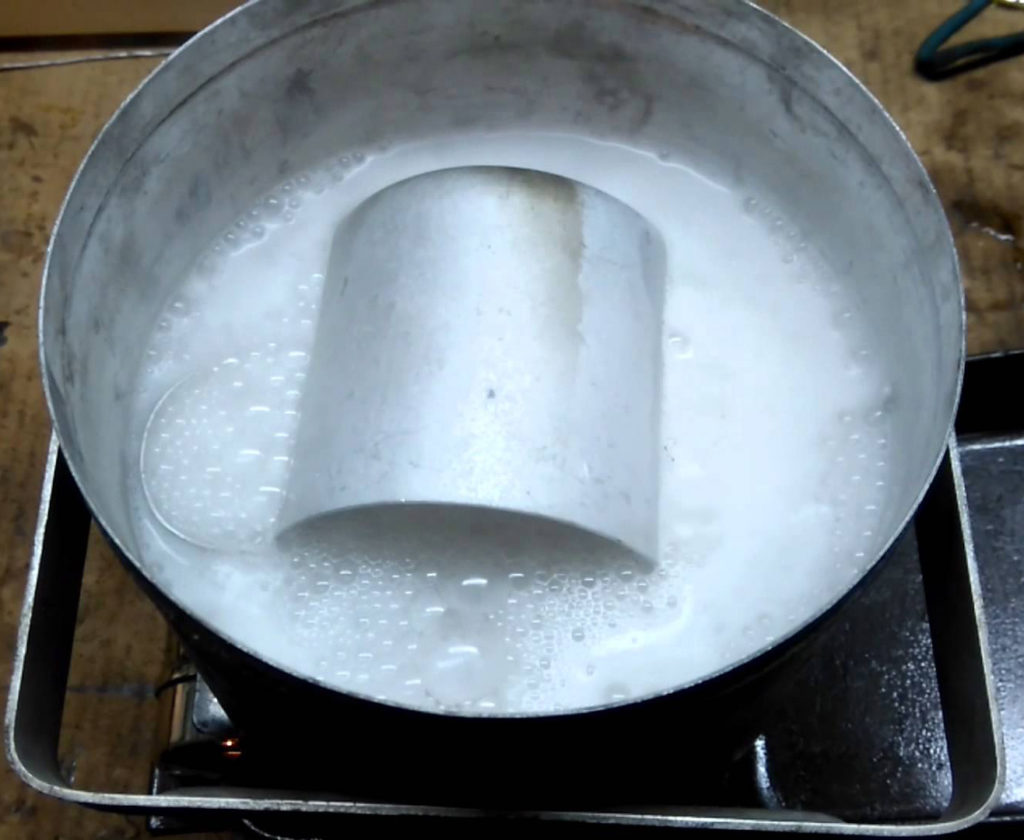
[488,338]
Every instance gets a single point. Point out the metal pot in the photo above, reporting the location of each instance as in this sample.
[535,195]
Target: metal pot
[277,86]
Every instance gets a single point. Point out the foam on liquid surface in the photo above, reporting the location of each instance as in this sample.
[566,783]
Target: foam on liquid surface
[774,465]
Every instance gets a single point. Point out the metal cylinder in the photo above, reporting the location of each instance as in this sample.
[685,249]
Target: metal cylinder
[488,337]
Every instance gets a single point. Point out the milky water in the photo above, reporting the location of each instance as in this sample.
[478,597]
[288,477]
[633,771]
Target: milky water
[774,462]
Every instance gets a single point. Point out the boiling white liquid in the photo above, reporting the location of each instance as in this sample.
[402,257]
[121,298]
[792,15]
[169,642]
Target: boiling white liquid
[774,469]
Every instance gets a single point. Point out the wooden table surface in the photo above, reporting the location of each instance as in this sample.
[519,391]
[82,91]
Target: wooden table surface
[969,132]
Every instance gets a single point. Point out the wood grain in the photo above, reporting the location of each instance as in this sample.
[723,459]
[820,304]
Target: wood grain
[77,17]
[112,723]
[968,131]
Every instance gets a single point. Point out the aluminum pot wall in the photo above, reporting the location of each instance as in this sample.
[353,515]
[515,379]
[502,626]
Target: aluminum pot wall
[277,86]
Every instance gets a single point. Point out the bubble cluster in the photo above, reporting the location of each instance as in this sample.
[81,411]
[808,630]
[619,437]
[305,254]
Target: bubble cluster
[458,609]
[280,207]
[789,241]
[216,452]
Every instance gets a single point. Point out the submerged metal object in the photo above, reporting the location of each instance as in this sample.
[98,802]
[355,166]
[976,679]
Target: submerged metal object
[488,337]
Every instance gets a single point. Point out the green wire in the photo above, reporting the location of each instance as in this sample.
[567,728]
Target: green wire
[935,63]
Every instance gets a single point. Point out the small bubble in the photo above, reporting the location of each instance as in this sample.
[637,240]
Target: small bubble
[680,346]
